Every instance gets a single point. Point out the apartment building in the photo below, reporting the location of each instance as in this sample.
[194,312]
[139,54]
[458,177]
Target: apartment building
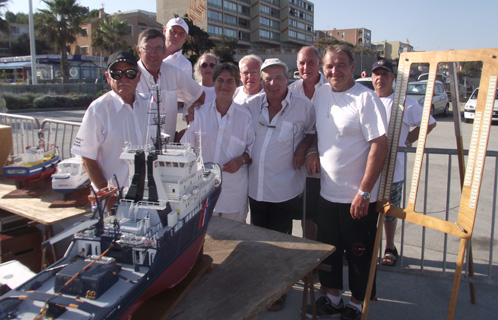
[137,20]
[255,24]
[391,50]
[358,36]
[7,40]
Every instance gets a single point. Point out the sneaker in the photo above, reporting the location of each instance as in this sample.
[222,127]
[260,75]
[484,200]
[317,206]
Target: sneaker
[350,313]
[325,308]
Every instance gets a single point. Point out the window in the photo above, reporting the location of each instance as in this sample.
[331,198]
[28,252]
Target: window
[230,33]
[84,50]
[214,15]
[264,21]
[228,19]
[216,3]
[214,30]
[264,34]
[274,36]
[84,32]
[264,9]
[130,30]
[230,6]
[243,10]
[243,23]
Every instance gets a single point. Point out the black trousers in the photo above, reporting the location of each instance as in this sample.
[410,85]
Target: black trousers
[275,216]
[354,237]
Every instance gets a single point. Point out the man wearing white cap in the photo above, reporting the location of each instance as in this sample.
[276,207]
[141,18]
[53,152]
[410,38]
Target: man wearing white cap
[176,34]
[282,120]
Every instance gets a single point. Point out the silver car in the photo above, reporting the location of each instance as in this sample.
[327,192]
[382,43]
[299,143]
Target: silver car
[440,103]
[470,107]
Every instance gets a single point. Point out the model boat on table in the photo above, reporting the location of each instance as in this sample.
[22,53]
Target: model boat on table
[148,243]
[33,163]
[70,176]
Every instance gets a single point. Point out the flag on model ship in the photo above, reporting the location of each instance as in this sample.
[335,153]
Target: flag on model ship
[202,219]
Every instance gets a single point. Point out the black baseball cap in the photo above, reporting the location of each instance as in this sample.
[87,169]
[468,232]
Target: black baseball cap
[121,56]
[383,64]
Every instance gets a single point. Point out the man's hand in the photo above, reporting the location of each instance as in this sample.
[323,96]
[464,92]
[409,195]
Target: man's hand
[312,164]
[359,207]
[299,157]
[233,165]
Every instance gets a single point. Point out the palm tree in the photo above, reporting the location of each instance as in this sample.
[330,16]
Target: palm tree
[59,24]
[4,25]
[109,36]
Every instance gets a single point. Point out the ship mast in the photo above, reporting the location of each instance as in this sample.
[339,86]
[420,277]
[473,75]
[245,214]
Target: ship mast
[158,142]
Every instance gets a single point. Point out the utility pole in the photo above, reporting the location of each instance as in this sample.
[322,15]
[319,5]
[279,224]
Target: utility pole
[32,44]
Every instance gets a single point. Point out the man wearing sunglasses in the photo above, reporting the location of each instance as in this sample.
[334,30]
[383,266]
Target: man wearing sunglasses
[117,117]
[167,83]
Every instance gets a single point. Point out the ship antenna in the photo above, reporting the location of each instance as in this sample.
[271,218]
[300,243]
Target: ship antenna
[200,148]
[158,142]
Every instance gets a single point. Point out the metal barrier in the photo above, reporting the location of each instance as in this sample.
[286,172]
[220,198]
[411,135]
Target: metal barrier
[25,131]
[61,134]
[440,248]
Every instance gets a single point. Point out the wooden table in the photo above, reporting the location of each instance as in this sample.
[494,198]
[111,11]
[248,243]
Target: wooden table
[252,267]
[37,209]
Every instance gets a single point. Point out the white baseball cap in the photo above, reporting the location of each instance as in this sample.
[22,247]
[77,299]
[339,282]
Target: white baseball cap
[274,62]
[177,22]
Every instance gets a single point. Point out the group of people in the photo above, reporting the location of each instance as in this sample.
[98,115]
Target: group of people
[323,131]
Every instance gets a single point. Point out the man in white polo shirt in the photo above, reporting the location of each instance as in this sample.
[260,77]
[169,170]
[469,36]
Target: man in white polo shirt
[176,34]
[117,117]
[250,76]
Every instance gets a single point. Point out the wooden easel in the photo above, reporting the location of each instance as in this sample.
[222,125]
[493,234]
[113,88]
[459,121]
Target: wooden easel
[471,177]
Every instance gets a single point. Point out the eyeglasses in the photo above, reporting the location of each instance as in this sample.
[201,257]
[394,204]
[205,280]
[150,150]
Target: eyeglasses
[204,65]
[116,74]
[150,50]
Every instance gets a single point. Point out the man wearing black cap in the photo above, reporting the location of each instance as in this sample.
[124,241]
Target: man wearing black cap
[117,117]
[382,79]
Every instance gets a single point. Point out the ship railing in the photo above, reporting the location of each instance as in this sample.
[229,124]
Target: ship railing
[161,204]
[24,131]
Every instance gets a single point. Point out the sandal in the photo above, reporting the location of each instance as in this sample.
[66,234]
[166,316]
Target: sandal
[390,257]
[278,305]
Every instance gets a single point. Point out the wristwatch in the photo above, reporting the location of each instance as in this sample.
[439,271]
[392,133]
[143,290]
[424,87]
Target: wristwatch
[363,194]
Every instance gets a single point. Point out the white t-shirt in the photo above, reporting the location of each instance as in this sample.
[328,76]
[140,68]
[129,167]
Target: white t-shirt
[173,84]
[297,86]
[224,139]
[108,123]
[241,97]
[411,118]
[272,177]
[345,123]
[178,60]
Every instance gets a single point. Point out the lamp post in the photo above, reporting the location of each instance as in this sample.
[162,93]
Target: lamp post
[32,44]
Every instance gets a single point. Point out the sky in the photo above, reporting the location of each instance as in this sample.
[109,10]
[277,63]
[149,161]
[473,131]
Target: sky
[428,25]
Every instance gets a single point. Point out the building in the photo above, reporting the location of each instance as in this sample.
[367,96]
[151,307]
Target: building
[138,20]
[259,26]
[7,40]
[391,50]
[359,36]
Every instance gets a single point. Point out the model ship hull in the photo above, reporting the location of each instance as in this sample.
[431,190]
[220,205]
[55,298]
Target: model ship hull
[21,171]
[175,257]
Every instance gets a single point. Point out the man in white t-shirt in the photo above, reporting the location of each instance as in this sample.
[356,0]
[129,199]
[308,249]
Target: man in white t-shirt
[382,80]
[176,34]
[166,82]
[351,126]
[117,117]
[308,65]
[250,76]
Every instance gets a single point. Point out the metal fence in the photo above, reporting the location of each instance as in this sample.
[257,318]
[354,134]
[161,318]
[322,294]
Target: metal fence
[432,252]
[28,131]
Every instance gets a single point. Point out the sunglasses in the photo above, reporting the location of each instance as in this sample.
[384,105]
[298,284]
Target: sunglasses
[116,74]
[204,65]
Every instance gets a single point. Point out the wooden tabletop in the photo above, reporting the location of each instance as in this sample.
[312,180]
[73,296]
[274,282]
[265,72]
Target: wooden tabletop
[252,267]
[37,209]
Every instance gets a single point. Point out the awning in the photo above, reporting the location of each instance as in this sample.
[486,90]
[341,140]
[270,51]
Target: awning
[15,65]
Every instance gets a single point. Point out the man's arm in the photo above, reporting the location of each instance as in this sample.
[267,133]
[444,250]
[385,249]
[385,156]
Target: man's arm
[375,162]
[94,173]
[301,150]
[311,159]
[199,102]
[413,135]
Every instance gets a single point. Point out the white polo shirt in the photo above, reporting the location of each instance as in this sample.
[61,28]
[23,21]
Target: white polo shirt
[178,60]
[297,86]
[223,139]
[272,177]
[173,84]
[108,123]
[241,97]
[345,123]
[412,116]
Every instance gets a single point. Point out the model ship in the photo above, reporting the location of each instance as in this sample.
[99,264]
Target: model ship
[70,176]
[33,163]
[148,242]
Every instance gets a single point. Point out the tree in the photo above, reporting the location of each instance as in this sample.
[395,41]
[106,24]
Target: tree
[323,43]
[198,41]
[19,17]
[4,25]
[472,69]
[59,25]
[22,47]
[225,50]
[109,36]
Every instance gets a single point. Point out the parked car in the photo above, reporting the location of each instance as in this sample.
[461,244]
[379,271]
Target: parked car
[439,77]
[367,82]
[470,107]
[440,103]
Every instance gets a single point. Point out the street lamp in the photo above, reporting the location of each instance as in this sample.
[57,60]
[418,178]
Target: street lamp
[32,44]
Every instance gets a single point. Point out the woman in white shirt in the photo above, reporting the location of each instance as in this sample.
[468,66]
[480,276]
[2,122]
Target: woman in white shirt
[227,138]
